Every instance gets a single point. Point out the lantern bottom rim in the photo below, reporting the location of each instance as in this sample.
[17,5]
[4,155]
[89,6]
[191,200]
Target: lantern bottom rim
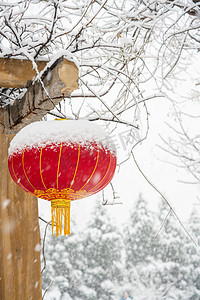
[60,203]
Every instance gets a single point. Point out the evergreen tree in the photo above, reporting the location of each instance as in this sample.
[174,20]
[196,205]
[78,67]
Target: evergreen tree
[64,266]
[140,241]
[193,258]
[102,246]
[141,246]
[87,265]
[156,265]
[173,270]
[97,264]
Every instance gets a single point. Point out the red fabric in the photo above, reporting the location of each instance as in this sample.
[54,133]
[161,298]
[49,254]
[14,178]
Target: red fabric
[82,168]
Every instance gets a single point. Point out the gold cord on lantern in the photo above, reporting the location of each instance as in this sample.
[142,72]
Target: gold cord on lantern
[60,213]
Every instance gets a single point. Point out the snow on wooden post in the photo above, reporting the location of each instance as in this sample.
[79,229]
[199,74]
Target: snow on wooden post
[20,274]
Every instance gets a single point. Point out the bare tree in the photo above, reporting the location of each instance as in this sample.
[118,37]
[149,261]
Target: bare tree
[121,48]
[184,144]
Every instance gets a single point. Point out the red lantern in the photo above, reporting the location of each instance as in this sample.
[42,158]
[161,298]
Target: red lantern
[72,162]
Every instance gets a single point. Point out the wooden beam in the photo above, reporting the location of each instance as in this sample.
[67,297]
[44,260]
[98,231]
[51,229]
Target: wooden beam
[20,276]
[15,73]
[59,81]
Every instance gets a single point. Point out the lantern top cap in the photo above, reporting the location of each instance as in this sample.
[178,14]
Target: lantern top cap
[44,133]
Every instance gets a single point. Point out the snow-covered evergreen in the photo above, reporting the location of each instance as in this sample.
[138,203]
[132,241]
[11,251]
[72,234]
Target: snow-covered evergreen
[193,258]
[101,263]
[102,256]
[64,266]
[86,265]
[173,268]
[141,245]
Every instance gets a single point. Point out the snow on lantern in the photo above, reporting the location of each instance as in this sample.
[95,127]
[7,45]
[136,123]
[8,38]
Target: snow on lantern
[61,162]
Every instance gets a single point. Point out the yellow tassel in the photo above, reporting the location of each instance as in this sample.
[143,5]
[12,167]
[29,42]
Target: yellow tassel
[53,211]
[60,213]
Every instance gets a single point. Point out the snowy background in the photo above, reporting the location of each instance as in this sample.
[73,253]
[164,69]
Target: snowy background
[139,79]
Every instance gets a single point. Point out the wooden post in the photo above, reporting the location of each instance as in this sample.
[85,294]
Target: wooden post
[20,277]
